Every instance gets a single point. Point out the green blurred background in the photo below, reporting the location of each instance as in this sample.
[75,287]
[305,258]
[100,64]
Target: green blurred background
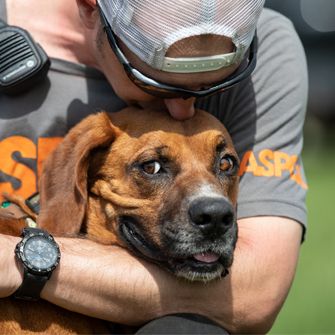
[310,306]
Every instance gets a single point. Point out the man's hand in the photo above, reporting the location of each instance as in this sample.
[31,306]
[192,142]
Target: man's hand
[10,272]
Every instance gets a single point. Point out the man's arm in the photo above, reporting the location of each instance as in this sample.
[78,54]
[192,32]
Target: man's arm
[265,263]
[11,275]
[107,282]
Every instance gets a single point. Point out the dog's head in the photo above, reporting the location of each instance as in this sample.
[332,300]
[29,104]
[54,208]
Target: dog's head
[165,189]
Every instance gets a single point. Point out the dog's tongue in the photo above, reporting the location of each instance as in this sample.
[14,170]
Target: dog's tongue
[206,257]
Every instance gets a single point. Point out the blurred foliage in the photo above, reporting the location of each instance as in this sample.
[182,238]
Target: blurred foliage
[309,308]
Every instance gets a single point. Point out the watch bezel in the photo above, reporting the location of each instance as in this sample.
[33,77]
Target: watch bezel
[19,251]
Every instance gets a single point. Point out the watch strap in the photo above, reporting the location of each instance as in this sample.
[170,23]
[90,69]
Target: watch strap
[28,230]
[31,287]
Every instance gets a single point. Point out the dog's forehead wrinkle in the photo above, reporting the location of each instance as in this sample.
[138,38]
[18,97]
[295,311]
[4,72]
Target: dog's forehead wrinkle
[175,149]
[221,141]
[154,150]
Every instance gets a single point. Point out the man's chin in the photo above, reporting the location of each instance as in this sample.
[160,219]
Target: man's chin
[180,109]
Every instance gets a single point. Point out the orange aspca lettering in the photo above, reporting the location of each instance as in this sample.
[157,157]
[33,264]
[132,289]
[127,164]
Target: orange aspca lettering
[19,171]
[297,177]
[26,177]
[45,146]
[272,164]
[265,157]
[249,164]
[284,162]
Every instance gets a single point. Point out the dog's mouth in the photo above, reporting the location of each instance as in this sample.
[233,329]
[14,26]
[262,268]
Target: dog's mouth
[137,243]
[204,266]
[192,265]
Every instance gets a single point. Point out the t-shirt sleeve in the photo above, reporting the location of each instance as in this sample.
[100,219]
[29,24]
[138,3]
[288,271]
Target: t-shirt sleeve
[270,137]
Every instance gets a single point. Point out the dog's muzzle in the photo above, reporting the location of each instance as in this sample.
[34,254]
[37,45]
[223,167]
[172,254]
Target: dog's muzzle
[201,240]
[136,242]
[197,244]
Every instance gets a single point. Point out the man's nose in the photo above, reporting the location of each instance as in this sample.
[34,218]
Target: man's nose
[180,109]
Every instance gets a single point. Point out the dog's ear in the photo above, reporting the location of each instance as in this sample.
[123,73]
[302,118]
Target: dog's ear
[63,183]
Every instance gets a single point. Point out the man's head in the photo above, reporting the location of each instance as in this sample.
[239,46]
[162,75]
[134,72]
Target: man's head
[178,50]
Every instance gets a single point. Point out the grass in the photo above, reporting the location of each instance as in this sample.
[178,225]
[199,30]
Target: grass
[310,306]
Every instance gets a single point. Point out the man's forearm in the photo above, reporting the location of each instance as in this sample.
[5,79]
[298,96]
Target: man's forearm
[107,282]
[10,273]
[103,281]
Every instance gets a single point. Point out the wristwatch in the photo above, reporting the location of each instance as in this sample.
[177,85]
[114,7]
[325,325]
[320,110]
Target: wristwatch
[39,254]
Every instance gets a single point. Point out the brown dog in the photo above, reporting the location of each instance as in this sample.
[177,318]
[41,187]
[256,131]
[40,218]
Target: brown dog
[164,189]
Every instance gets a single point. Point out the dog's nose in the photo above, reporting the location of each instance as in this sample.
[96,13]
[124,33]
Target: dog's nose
[211,214]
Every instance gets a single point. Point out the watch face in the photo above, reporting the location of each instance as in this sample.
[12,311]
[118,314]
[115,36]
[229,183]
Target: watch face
[40,252]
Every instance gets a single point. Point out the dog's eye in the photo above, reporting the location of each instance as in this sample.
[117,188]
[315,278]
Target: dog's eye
[226,164]
[152,167]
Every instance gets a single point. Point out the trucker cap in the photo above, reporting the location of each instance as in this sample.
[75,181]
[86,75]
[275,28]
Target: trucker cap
[150,27]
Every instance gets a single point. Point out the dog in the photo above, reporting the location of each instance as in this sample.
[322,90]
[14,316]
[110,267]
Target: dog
[164,189]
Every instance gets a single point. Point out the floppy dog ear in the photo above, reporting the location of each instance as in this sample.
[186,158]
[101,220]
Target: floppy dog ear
[63,183]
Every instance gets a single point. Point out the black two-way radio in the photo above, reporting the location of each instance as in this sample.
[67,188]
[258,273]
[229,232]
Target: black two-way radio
[23,62]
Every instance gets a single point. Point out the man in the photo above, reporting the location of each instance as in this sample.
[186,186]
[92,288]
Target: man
[264,114]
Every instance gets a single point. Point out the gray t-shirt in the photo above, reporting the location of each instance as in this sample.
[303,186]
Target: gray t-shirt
[264,115]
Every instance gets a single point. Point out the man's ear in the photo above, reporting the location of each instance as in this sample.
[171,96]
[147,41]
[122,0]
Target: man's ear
[88,12]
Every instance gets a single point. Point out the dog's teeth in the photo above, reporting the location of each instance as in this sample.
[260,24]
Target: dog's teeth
[206,257]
